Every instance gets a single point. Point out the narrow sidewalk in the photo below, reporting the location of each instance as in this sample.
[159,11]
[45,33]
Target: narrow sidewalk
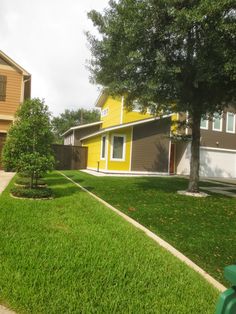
[5,178]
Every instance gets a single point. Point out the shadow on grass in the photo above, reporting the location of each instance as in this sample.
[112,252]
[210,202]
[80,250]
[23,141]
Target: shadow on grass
[167,185]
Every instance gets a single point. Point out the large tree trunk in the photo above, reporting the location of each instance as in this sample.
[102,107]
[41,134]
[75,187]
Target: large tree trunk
[195,155]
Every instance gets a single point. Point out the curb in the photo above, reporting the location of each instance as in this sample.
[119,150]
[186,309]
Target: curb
[157,239]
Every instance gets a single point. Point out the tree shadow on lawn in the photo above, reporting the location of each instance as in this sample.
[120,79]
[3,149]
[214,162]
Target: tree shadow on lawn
[167,185]
[62,187]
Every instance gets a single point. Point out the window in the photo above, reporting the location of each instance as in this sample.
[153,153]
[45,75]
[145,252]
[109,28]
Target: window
[104,112]
[230,122]
[3,87]
[136,106]
[204,124]
[118,147]
[217,122]
[103,147]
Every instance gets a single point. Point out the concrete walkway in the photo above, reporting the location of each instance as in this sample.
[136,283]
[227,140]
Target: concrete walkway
[4,310]
[5,178]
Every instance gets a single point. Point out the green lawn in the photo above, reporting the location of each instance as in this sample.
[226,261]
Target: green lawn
[73,255]
[204,229]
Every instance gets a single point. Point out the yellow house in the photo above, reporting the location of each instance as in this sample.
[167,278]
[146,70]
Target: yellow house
[124,141]
[15,87]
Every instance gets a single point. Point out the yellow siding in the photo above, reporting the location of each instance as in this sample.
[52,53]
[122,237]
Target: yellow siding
[130,116]
[114,112]
[94,153]
[174,125]
[120,165]
[13,92]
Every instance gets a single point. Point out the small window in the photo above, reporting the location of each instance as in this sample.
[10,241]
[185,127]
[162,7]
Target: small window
[104,112]
[3,87]
[103,147]
[204,124]
[118,147]
[136,106]
[217,122]
[230,122]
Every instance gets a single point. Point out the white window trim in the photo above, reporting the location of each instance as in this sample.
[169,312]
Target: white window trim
[124,147]
[227,119]
[103,158]
[207,125]
[220,129]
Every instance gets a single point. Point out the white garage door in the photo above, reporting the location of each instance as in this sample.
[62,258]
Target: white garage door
[213,163]
[217,163]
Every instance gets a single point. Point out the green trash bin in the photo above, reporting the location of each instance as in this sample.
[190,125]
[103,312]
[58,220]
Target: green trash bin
[227,300]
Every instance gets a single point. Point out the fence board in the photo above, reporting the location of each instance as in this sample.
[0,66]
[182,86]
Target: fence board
[70,157]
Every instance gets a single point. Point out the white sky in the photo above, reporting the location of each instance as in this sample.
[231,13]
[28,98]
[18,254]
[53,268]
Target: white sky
[46,37]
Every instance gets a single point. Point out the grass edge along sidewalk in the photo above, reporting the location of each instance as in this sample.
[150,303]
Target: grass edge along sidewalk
[157,239]
[73,254]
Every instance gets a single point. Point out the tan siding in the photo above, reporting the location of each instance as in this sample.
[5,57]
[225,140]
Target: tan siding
[13,92]
[5,125]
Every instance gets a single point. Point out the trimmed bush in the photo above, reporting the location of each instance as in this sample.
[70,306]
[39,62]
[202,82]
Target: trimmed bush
[36,193]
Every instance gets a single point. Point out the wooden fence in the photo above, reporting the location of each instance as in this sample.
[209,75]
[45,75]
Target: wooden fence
[70,157]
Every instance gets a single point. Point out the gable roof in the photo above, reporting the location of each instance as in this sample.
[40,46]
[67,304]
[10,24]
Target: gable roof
[12,63]
[125,125]
[82,126]
[101,98]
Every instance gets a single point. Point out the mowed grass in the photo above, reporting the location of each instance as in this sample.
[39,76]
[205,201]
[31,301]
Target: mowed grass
[73,255]
[204,229]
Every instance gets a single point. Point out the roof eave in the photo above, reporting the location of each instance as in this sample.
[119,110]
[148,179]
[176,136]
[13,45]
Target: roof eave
[126,125]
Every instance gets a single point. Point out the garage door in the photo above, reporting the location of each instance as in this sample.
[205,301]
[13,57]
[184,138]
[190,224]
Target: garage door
[213,162]
[217,163]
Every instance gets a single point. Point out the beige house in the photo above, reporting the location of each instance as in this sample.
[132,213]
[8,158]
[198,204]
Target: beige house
[15,87]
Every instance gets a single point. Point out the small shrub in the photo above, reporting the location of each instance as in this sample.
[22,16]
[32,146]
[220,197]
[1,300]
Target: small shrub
[26,181]
[36,193]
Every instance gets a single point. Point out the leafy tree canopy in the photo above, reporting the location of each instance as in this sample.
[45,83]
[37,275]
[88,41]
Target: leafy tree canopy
[70,118]
[28,145]
[169,54]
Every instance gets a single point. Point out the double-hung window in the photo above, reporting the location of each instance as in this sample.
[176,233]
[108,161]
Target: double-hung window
[103,147]
[230,122]
[118,147]
[204,124]
[217,122]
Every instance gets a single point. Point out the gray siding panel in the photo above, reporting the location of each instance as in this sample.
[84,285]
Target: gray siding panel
[150,149]
[80,133]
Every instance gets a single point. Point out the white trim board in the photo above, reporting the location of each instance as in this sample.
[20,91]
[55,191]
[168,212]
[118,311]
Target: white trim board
[82,127]
[125,125]
[157,239]
[218,149]
[128,173]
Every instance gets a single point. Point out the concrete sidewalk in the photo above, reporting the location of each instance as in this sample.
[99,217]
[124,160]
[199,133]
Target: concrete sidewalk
[4,310]
[5,178]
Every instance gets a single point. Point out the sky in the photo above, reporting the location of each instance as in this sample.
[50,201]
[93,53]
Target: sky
[47,38]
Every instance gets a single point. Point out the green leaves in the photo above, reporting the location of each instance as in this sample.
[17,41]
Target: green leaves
[184,49]
[28,145]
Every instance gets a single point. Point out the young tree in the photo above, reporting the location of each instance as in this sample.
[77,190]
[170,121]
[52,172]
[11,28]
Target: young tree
[174,55]
[28,145]
[70,118]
